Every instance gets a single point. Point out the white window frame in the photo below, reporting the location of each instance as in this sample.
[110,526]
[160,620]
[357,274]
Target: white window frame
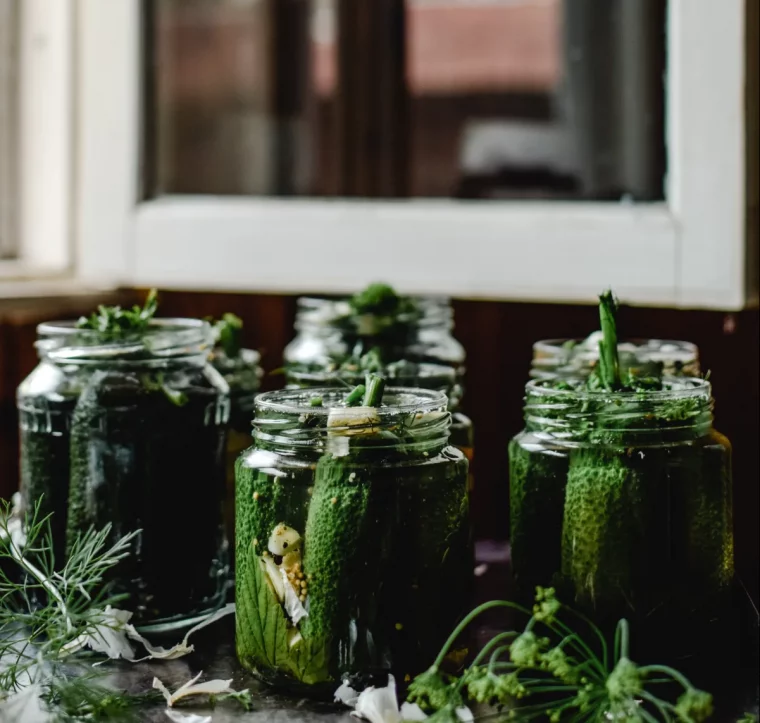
[688,251]
[44,262]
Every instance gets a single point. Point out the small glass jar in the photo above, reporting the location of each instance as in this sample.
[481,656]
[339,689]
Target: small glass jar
[418,351]
[645,357]
[129,431]
[243,376]
[622,500]
[353,544]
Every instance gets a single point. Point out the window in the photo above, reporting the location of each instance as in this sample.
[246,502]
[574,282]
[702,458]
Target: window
[314,146]
[37,110]
[8,125]
[486,99]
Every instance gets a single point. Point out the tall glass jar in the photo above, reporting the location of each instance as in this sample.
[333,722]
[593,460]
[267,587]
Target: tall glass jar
[129,431]
[645,357]
[353,543]
[242,373]
[623,501]
[332,347]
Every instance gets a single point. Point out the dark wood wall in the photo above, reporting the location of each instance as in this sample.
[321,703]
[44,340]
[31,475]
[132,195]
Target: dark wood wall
[498,338]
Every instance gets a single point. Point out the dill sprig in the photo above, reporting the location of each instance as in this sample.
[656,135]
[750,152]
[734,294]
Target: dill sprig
[229,335]
[45,608]
[550,671]
[115,321]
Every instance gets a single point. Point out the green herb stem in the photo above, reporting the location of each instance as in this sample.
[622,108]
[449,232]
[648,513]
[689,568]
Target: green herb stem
[495,658]
[598,633]
[621,639]
[580,645]
[485,651]
[375,386]
[661,705]
[678,677]
[355,396]
[467,620]
[38,575]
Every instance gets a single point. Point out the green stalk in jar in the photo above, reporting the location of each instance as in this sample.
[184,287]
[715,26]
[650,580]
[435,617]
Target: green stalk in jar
[599,533]
[336,523]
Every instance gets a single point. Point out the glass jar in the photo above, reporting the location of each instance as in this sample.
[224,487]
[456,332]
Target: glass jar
[646,357]
[243,376]
[353,543]
[622,500]
[129,431]
[332,347]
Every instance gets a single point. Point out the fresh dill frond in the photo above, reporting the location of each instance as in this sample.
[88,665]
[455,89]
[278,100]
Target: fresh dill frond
[229,334]
[45,607]
[552,671]
[87,697]
[115,321]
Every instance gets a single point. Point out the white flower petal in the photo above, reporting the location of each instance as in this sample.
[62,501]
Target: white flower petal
[113,631]
[209,687]
[179,717]
[182,648]
[465,715]
[412,712]
[190,683]
[25,707]
[346,695]
[158,685]
[108,636]
[378,705]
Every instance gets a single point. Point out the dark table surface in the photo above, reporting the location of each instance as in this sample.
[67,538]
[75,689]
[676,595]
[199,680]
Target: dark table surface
[215,656]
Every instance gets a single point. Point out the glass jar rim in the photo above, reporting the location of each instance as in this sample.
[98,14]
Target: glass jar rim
[425,370]
[684,406]
[675,349]
[676,388]
[165,338]
[319,311]
[403,400]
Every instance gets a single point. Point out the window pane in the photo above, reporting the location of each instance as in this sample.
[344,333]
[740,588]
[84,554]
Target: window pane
[234,91]
[428,98]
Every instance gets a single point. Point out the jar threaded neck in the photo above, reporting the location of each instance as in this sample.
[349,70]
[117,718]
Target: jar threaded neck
[409,419]
[683,407]
[162,341]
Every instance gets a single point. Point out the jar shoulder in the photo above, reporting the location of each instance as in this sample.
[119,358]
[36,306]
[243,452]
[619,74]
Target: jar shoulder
[537,441]
[279,463]
[50,381]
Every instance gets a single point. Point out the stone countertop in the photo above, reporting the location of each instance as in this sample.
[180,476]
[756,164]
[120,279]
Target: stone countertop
[215,656]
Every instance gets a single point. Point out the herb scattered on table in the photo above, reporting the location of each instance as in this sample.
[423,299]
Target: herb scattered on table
[45,609]
[49,613]
[550,670]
